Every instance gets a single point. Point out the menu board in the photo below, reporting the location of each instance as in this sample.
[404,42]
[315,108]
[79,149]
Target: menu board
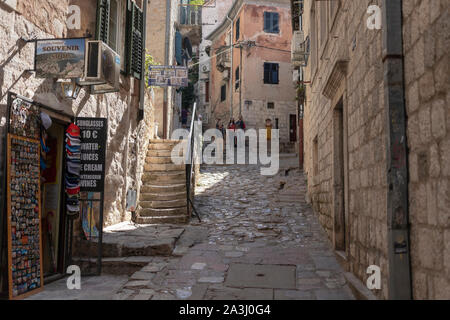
[24,217]
[94,132]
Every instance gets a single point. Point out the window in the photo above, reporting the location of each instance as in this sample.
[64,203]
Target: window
[238,29]
[271,22]
[207,91]
[120,24]
[113,26]
[270,105]
[323,18]
[271,71]
[223,93]
[237,75]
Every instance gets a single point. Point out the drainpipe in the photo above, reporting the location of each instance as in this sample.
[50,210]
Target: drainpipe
[166,62]
[397,154]
[231,71]
[241,82]
[143,72]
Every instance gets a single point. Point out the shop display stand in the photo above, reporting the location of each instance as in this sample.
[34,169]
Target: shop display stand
[9,226]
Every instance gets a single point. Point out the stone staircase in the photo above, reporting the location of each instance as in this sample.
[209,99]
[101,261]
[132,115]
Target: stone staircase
[163,193]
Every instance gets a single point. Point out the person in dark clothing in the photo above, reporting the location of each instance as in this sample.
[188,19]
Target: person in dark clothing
[184,117]
[240,124]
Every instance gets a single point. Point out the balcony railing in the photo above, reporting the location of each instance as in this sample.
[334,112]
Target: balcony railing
[190,15]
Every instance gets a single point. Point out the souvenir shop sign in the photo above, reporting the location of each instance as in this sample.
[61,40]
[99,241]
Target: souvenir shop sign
[60,58]
[25,274]
[93,153]
[168,76]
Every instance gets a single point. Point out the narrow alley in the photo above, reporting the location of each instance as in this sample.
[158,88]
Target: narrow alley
[259,240]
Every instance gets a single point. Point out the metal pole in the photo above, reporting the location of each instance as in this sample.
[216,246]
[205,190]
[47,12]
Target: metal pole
[397,156]
[166,62]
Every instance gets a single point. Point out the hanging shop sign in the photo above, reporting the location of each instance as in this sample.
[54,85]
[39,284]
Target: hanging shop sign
[93,153]
[60,58]
[24,217]
[168,76]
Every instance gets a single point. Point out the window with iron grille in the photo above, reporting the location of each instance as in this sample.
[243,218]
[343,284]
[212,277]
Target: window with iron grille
[270,105]
[271,73]
[271,22]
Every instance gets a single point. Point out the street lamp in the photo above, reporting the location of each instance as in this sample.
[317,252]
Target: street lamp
[70,90]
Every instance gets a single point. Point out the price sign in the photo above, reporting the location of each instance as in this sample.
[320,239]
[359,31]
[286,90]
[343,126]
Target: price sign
[94,132]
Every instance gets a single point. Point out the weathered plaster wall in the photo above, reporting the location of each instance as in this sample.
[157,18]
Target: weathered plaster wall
[270,48]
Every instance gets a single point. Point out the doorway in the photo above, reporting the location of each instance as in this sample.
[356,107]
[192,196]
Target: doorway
[338,177]
[293,128]
[53,201]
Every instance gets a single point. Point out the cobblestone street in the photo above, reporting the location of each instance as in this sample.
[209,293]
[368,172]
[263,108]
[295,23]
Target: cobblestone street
[258,240]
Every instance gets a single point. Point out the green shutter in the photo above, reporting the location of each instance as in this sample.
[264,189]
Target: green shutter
[103,12]
[135,40]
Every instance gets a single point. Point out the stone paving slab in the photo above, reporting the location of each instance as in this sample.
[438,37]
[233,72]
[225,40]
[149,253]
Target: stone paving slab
[258,240]
[261,276]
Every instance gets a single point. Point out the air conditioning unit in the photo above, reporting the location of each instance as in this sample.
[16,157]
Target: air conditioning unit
[102,69]
[299,52]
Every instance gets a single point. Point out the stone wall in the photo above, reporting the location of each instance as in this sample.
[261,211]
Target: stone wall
[426,48]
[125,135]
[348,63]
[360,85]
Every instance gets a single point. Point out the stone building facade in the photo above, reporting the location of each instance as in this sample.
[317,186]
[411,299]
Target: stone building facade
[261,40]
[162,17]
[213,14]
[347,136]
[128,134]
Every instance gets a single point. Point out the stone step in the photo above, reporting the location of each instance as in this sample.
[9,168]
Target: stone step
[163,196]
[167,204]
[168,212]
[160,153]
[115,265]
[163,160]
[163,189]
[163,220]
[115,249]
[164,141]
[162,146]
[164,167]
[164,178]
